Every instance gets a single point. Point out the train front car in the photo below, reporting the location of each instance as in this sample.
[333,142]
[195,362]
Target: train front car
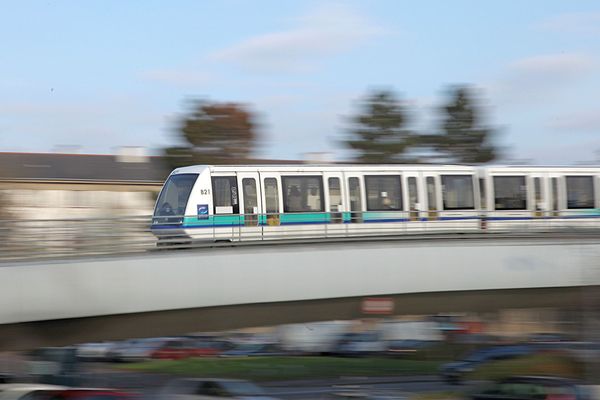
[180,201]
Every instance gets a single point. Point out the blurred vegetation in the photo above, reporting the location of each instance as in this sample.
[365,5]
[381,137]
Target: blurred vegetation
[380,134]
[463,138]
[215,133]
[226,133]
[539,364]
[288,368]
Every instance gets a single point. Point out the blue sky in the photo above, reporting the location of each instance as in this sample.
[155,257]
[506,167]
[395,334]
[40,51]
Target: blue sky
[104,74]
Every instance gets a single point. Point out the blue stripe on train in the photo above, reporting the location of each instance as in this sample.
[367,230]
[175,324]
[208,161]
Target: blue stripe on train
[524,218]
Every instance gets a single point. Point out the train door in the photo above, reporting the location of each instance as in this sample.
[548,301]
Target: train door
[538,195]
[355,198]
[226,206]
[432,188]
[250,206]
[555,195]
[334,202]
[272,201]
[413,189]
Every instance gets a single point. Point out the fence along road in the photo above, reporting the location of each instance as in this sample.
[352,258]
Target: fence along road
[26,240]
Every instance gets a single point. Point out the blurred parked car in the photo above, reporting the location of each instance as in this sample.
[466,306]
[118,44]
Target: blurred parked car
[186,348]
[399,348]
[199,388]
[94,351]
[30,391]
[55,366]
[360,344]
[254,349]
[453,372]
[534,388]
[136,350]
[87,394]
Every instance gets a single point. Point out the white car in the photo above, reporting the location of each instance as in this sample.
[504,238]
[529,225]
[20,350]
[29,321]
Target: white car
[201,388]
[25,391]
[94,351]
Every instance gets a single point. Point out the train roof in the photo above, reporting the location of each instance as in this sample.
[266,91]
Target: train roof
[380,167]
[320,167]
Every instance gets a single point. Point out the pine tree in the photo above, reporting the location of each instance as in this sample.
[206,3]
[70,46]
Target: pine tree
[379,135]
[463,139]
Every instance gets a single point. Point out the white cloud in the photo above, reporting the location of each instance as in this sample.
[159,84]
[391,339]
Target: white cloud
[587,121]
[587,23]
[541,78]
[556,65]
[327,30]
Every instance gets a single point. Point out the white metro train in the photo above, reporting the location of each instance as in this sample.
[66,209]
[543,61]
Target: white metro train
[297,201]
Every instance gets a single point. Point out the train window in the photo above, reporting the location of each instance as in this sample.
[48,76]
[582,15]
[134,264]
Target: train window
[384,192]
[482,194]
[225,195]
[510,193]
[174,196]
[302,193]
[457,192]
[355,199]
[580,192]
[431,195]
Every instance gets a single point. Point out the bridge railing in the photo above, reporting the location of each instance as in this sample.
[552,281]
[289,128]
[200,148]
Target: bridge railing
[59,238]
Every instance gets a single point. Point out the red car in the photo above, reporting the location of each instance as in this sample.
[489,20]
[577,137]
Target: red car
[186,348]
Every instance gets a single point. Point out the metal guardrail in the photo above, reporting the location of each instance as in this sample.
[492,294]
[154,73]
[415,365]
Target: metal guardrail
[22,239]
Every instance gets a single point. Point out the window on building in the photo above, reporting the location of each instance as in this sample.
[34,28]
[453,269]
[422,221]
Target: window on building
[457,192]
[384,192]
[580,192]
[302,193]
[510,193]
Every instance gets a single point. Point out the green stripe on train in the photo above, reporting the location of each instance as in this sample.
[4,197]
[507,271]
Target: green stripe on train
[384,215]
[215,220]
[299,218]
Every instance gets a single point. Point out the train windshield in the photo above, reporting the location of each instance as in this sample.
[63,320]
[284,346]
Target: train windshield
[174,195]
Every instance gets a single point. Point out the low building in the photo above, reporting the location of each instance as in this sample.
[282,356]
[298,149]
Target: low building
[44,186]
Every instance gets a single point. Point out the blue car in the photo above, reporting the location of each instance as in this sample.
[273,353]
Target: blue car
[454,371]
